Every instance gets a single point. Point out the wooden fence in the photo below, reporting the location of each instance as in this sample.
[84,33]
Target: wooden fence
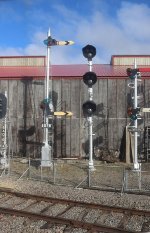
[112,97]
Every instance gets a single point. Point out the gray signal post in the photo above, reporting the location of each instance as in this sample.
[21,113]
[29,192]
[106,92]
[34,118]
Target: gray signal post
[47,105]
[133,112]
[135,162]
[90,120]
[89,107]
[46,152]
[4,159]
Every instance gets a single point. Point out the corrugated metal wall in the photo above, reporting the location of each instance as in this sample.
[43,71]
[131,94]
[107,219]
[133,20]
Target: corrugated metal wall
[129,60]
[22,61]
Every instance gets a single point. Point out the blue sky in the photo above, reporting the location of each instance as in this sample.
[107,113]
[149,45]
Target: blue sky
[114,27]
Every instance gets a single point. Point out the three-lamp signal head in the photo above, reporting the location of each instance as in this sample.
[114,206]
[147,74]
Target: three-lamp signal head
[89,51]
[89,78]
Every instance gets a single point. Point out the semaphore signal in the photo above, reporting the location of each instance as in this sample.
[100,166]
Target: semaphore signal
[47,105]
[52,42]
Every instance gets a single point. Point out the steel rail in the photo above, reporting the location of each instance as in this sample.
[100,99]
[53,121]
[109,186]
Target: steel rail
[58,220]
[123,210]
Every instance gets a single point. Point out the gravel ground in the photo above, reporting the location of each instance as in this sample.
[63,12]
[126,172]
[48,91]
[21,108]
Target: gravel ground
[18,224]
[12,224]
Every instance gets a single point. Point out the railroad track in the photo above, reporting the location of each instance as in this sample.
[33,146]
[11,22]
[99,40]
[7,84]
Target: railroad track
[71,213]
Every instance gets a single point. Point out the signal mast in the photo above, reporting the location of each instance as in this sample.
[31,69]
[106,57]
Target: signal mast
[89,107]
[133,112]
[47,105]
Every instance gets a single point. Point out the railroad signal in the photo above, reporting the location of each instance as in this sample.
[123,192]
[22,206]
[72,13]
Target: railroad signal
[51,42]
[89,108]
[89,78]
[45,106]
[132,72]
[89,51]
[3,105]
[133,112]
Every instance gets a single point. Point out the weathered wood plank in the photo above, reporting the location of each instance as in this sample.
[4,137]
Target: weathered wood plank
[100,126]
[75,120]
[112,113]
[66,106]
[75,141]
[57,138]
[146,116]
[121,99]
[57,101]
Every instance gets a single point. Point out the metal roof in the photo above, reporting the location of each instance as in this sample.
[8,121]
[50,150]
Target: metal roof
[13,72]
[65,71]
[80,69]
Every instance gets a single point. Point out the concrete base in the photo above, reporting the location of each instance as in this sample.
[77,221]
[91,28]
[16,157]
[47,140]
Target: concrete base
[91,166]
[46,160]
[137,166]
[4,163]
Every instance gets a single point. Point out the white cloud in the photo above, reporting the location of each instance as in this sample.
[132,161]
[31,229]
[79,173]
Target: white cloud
[125,31]
[34,49]
[134,19]
[128,36]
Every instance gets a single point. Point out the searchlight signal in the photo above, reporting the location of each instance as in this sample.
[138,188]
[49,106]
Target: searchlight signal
[133,113]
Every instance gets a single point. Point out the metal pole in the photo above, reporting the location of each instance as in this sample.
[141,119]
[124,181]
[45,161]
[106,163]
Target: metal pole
[47,89]
[46,148]
[91,164]
[5,137]
[89,177]
[4,159]
[90,120]
[90,65]
[136,164]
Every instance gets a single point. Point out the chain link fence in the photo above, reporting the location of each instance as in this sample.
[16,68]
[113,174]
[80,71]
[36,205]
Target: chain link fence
[75,173]
[137,180]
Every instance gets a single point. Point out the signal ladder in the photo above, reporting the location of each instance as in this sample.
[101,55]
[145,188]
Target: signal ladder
[134,74]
